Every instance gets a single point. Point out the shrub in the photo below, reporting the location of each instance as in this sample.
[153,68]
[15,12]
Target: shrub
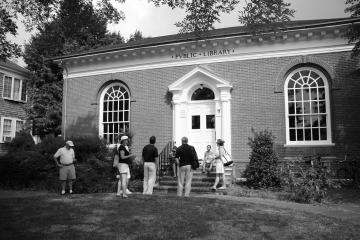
[23,141]
[308,185]
[262,170]
[49,145]
[89,148]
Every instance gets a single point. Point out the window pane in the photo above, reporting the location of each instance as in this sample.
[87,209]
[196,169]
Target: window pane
[322,120]
[210,121]
[291,95]
[19,126]
[307,134]
[299,121]
[323,135]
[320,82]
[321,93]
[7,87]
[291,84]
[7,127]
[16,95]
[306,93]
[306,107]
[314,121]
[291,108]
[299,107]
[322,107]
[298,93]
[315,133]
[23,92]
[314,107]
[203,93]
[126,117]
[307,121]
[195,120]
[300,135]
[292,135]
[292,121]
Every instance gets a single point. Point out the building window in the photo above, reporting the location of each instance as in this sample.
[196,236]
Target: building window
[9,127]
[14,89]
[203,93]
[115,112]
[307,108]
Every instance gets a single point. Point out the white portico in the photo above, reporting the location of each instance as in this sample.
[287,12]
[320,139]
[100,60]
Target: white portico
[201,109]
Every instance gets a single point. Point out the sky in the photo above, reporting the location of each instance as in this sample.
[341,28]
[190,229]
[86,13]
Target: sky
[159,21]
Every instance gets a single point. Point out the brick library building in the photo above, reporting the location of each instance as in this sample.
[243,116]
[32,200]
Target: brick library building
[300,82]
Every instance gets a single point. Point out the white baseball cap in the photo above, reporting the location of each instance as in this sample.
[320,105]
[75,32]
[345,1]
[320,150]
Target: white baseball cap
[123,138]
[70,143]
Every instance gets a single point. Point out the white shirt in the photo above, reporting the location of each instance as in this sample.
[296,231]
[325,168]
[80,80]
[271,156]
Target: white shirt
[67,156]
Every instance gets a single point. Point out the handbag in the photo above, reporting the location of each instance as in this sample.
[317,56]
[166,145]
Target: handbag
[226,162]
[195,161]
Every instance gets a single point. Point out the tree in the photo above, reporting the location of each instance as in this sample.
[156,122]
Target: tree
[78,26]
[37,14]
[202,14]
[353,34]
[136,36]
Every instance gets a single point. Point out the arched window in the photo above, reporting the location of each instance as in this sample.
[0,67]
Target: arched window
[203,93]
[114,112]
[307,107]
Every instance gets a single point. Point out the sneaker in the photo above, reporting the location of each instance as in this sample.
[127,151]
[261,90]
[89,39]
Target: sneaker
[222,188]
[62,192]
[118,194]
[70,191]
[128,191]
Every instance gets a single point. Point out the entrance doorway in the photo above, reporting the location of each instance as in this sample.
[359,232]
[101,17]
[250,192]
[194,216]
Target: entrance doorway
[201,125]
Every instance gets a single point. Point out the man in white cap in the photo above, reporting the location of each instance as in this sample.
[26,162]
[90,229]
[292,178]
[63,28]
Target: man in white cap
[66,165]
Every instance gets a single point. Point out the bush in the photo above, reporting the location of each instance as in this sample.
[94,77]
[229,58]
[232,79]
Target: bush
[89,148]
[49,145]
[262,170]
[23,141]
[308,185]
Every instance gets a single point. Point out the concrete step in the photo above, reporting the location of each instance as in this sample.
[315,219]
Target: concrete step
[193,183]
[193,189]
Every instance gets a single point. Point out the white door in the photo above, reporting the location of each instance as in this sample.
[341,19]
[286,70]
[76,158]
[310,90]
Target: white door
[201,126]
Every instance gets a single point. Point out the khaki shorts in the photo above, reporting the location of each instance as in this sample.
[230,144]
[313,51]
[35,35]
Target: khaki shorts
[123,168]
[67,173]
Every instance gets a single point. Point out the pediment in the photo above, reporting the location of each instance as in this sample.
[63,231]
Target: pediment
[199,74]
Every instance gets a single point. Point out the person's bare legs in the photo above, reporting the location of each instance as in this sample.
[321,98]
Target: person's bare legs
[174,169]
[223,181]
[70,186]
[63,184]
[217,178]
[118,187]
[124,184]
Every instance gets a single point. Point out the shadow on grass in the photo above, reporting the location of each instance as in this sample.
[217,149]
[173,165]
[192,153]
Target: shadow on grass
[104,216]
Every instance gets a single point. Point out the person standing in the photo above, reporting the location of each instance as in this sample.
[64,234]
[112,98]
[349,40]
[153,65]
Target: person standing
[66,165]
[173,161]
[124,161]
[208,158]
[185,155]
[150,157]
[219,165]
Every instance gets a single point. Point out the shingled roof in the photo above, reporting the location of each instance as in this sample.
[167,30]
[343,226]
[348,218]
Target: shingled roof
[11,66]
[217,33]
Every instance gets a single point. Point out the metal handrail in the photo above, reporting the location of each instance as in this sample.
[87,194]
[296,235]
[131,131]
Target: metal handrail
[164,158]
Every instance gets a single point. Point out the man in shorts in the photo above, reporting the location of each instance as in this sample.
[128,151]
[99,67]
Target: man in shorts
[64,159]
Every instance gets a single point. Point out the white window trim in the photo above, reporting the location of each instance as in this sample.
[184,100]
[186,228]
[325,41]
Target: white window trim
[12,89]
[327,142]
[13,127]
[101,109]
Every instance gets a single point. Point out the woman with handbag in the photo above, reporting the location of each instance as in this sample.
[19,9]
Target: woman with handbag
[124,160]
[219,165]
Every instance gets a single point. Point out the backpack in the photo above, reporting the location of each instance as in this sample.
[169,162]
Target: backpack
[195,161]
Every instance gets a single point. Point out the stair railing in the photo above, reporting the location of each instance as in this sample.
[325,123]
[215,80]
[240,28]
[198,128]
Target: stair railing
[164,162]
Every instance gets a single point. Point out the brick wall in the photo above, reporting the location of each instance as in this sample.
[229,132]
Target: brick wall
[254,104]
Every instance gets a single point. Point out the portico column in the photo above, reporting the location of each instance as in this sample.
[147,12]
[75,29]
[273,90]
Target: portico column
[179,118]
[226,117]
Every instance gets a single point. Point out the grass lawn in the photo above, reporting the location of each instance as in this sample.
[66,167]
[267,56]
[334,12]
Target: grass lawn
[104,216]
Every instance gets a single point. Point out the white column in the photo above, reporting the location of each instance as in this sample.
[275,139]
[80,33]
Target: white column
[218,122]
[226,117]
[179,121]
